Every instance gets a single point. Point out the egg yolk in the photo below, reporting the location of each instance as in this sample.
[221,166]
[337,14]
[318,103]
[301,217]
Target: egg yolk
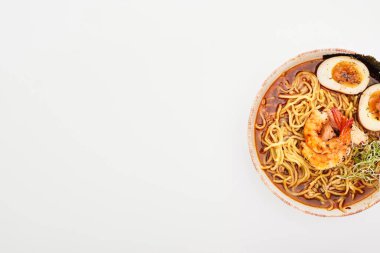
[374,104]
[347,73]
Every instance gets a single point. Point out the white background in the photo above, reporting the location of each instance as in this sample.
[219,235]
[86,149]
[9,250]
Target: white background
[123,125]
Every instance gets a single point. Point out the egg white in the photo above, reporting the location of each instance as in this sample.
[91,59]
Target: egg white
[324,74]
[366,118]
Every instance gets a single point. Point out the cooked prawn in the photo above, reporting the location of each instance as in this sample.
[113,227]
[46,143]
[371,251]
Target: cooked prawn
[321,153]
[315,127]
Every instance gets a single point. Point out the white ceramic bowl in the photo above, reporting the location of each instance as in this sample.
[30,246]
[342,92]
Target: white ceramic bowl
[357,207]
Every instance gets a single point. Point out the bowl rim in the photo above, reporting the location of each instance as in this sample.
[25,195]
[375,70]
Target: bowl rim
[356,207]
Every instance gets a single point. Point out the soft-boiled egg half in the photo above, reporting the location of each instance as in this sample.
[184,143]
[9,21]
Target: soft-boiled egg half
[369,108]
[343,74]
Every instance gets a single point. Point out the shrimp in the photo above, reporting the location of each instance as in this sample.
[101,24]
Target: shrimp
[323,154]
[315,126]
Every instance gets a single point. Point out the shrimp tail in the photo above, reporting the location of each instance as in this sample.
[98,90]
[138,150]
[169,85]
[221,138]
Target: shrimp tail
[343,124]
[339,118]
[345,133]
